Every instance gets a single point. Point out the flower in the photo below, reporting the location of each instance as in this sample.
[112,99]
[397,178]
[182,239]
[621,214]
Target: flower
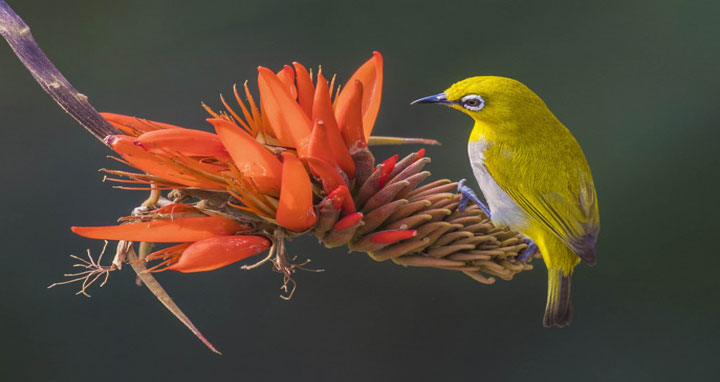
[208,242]
[295,116]
[265,158]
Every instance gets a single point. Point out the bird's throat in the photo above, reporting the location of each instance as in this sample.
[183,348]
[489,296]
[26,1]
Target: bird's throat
[481,132]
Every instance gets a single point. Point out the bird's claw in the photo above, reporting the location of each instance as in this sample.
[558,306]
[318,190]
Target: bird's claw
[466,195]
[528,251]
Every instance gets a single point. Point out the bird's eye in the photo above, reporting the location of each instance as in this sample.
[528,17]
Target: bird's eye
[473,102]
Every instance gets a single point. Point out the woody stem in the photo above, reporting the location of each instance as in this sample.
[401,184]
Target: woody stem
[18,36]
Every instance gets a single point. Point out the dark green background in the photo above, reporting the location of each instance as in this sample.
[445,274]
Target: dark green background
[635,81]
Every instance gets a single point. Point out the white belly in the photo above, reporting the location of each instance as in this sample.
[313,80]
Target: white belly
[503,210]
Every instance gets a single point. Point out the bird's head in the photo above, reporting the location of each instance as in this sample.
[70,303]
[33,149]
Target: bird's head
[489,99]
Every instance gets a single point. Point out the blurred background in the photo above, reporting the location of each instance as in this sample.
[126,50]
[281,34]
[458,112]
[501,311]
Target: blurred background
[635,81]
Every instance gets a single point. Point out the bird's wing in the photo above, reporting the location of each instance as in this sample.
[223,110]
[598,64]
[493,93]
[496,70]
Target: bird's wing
[564,202]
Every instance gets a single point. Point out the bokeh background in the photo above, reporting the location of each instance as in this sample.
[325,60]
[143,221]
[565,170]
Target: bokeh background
[635,81]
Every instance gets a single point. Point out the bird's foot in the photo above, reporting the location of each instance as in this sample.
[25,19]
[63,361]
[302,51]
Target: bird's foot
[466,195]
[528,251]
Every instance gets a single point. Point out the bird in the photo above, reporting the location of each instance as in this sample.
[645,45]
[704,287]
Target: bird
[534,177]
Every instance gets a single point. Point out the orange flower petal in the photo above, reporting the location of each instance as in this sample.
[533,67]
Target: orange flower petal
[289,122]
[250,156]
[287,76]
[219,251]
[166,230]
[305,88]
[392,236]
[329,175]
[371,76]
[186,141]
[135,126]
[318,145]
[327,143]
[295,209]
[190,174]
[349,117]
[270,130]
[322,110]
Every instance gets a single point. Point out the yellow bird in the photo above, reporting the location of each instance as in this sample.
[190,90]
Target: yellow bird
[534,177]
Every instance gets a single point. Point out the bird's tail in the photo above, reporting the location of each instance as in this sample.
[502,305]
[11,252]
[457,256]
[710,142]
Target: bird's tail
[558,311]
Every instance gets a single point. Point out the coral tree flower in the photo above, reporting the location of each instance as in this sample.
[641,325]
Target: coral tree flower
[209,242]
[265,157]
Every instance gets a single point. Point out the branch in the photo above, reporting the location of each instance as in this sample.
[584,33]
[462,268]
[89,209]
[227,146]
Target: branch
[18,35]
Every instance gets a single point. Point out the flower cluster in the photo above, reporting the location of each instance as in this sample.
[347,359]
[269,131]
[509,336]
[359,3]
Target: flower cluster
[269,160]
[297,161]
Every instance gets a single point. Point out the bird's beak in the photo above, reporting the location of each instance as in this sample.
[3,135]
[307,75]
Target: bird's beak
[436,98]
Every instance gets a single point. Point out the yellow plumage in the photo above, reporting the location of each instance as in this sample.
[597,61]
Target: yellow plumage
[533,175]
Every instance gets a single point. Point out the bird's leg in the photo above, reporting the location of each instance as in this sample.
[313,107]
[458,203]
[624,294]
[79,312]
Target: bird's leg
[528,251]
[466,195]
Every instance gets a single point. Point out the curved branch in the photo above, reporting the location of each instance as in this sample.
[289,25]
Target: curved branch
[18,36]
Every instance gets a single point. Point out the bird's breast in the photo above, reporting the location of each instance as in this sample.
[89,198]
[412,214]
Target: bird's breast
[503,209]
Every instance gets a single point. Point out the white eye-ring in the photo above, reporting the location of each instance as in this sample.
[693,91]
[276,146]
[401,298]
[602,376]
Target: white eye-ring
[472,102]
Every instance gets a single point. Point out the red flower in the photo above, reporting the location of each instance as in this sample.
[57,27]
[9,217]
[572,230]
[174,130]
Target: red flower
[265,157]
[209,242]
